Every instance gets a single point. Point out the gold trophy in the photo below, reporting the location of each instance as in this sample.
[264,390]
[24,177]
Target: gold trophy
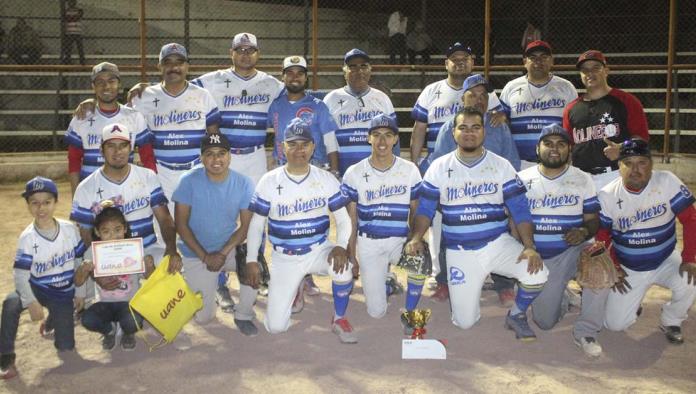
[417,319]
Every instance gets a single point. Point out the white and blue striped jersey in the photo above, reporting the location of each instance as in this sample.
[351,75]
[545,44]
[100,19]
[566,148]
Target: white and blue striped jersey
[530,107]
[243,104]
[437,104]
[383,198]
[86,134]
[352,115]
[643,231]
[297,211]
[557,205]
[177,123]
[48,265]
[135,196]
[472,198]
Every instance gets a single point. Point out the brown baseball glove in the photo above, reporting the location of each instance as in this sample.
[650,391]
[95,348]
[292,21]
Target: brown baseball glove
[595,268]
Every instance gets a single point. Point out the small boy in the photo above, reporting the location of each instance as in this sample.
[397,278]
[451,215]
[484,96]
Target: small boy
[43,271]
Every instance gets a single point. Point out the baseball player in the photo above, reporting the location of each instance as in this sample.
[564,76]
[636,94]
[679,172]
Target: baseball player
[638,219]
[475,189]
[293,103]
[208,202]
[600,120]
[383,190]
[564,208]
[535,100]
[84,134]
[243,94]
[178,114]
[47,255]
[133,189]
[352,107]
[297,199]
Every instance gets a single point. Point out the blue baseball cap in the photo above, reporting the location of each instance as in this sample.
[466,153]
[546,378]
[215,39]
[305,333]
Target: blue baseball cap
[456,47]
[353,53]
[383,121]
[173,49]
[634,147]
[297,130]
[40,184]
[553,129]
[476,80]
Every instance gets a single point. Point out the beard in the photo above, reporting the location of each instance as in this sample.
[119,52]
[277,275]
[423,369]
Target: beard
[554,164]
[294,89]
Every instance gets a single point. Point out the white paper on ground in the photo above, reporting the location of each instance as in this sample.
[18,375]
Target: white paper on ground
[423,349]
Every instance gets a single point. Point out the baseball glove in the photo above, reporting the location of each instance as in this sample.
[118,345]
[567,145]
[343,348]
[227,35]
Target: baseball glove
[595,268]
[421,264]
[240,257]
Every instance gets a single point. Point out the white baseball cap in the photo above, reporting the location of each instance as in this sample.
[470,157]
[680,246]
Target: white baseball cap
[115,131]
[292,61]
[244,39]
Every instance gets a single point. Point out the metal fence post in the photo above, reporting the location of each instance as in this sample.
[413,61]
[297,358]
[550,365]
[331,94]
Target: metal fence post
[670,64]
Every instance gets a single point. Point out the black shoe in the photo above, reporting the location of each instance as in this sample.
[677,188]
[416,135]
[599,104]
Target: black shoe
[128,342]
[109,340]
[673,334]
[224,300]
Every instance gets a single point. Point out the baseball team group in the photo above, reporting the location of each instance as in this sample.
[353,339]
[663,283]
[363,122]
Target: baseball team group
[512,186]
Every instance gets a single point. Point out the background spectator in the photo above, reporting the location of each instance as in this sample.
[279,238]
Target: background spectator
[24,44]
[419,42]
[397,37]
[72,20]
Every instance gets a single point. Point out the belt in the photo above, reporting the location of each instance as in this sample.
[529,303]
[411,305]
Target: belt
[179,166]
[598,170]
[370,236]
[296,251]
[245,151]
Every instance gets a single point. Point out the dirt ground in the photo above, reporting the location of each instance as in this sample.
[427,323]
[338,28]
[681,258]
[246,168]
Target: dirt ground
[309,358]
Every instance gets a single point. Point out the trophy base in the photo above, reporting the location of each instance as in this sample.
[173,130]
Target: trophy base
[423,349]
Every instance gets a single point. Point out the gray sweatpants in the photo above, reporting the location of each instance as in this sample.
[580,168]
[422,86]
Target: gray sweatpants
[201,280]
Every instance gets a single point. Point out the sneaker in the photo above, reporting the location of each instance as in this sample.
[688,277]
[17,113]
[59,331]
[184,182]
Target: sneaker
[45,331]
[431,283]
[109,340]
[673,334]
[247,327]
[589,345]
[311,288]
[393,286]
[441,293]
[518,324]
[506,297]
[574,299]
[224,300]
[128,342]
[408,328]
[298,302]
[182,342]
[7,366]
[344,330]
[263,290]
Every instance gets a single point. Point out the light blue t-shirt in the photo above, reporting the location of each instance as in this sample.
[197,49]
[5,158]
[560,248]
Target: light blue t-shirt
[214,206]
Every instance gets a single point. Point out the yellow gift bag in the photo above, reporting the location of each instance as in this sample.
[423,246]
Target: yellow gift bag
[166,302]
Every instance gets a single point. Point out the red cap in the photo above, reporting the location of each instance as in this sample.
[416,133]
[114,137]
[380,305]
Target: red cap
[537,45]
[592,54]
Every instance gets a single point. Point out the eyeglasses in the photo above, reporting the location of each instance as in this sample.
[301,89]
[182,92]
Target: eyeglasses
[246,51]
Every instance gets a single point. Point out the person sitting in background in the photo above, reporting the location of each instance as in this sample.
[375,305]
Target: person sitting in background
[24,44]
[418,42]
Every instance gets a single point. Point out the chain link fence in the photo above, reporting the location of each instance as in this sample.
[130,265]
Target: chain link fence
[36,102]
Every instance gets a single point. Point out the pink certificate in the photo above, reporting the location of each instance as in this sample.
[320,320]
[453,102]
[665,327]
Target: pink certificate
[121,257]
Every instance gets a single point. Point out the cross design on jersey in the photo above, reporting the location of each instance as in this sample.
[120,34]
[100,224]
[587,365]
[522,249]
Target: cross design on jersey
[36,248]
[449,173]
[619,203]
[366,175]
[438,93]
[341,102]
[91,121]
[156,100]
[99,192]
[227,83]
[519,90]
[279,188]
[529,184]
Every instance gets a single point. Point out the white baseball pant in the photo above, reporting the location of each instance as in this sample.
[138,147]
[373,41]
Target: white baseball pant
[374,256]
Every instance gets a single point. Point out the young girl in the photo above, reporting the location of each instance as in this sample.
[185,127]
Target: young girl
[112,293]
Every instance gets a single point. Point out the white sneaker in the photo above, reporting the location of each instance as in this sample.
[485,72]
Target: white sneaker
[590,346]
[344,330]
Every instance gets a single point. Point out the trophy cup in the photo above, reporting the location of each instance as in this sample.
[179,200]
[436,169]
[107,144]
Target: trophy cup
[417,319]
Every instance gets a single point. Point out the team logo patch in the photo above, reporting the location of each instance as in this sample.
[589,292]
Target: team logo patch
[685,191]
[294,60]
[456,276]
[306,114]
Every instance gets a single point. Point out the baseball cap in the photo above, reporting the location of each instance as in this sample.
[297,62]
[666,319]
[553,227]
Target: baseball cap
[456,47]
[115,131]
[353,53]
[537,45]
[40,184]
[296,130]
[383,121]
[592,54]
[476,80]
[173,49]
[553,129]
[105,67]
[214,140]
[292,61]
[634,147]
[244,39]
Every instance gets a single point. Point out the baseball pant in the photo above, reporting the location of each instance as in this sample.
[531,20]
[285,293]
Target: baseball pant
[375,255]
[467,270]
[169,179]
[253,164]
[286,274]
[622,308]
[201,280]
[435,236]
[591,319]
